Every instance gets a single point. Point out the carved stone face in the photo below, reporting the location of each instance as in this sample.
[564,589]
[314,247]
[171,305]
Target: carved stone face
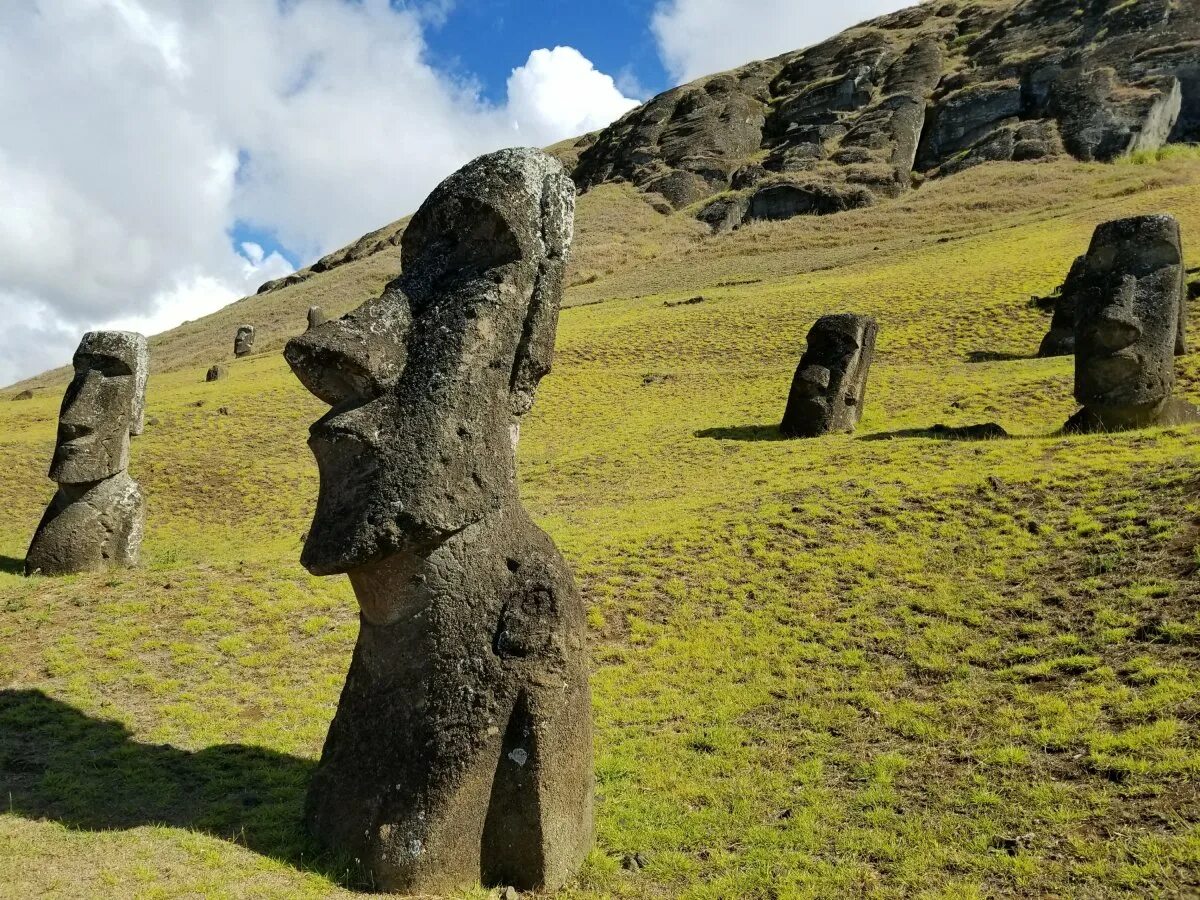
[830,384]
[427,381]
[1128,315]
[101,405]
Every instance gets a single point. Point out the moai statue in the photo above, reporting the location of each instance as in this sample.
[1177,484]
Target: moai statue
[830,385]
[462,746]
[316,316]
[1060,339]
[96,518]
[215,373]
[1127,329]
[243,343]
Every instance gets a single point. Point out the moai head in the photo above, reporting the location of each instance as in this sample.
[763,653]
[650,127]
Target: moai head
[243,342]
[103,405]
[1128,318]
[316,317]
[428,382]
[830,385]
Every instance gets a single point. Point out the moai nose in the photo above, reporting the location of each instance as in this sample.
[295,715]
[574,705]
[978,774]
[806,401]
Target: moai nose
[815,380]
[1117,326]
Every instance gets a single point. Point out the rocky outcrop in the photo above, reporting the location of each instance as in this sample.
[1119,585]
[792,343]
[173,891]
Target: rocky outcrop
[461,750]
[1127,326]
[933,89]
[96,517]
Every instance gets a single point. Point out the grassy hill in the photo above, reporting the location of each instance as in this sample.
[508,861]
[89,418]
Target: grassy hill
[879,665]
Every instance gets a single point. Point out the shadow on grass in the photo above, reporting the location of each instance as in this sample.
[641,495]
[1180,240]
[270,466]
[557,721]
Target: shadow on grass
[986,356]
[987,432]
[10,565]
[743,433]
[59,764]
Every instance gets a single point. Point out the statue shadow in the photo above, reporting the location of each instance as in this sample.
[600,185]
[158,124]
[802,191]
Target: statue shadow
[10,565]
[988,432]
[987,356]
[751,433]
[61,765]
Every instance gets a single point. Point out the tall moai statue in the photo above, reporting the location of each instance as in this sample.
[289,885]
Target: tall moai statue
[830,385]
[461,750]
[1127,331]
[243,341]
[97,516]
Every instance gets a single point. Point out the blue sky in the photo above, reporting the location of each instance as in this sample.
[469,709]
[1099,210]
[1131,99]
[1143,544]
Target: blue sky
[487,39]
[232,141]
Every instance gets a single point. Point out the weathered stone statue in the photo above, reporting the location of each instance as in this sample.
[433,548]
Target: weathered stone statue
[96,518]
[461,750]
[243,342]
[215,373]
[830,385]
[316,316]
[1127,327]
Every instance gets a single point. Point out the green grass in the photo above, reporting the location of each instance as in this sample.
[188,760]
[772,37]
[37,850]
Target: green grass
[877,665]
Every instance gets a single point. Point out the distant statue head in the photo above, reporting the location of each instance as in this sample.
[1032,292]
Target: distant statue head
[1128,318]
[428,382]
[829,387]
[103,405]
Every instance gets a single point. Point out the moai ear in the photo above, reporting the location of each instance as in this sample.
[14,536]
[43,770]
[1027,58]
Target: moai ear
[357,356]
[535,352]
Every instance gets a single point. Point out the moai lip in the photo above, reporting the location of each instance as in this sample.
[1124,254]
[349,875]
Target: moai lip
[1127,332]
[96,518]
[461,748]
[830,385]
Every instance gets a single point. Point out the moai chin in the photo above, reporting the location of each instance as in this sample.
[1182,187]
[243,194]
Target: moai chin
[461,750]
[1127,331]
[243,342]
[97,516]
[830,385]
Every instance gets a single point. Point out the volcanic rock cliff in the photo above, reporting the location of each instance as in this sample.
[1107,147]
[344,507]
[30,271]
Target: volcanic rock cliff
[923,92]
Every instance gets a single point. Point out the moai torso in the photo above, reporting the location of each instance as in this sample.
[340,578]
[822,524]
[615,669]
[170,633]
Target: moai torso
[1127,326]
[96,518]
[461,749]
[243,342]
[830,385]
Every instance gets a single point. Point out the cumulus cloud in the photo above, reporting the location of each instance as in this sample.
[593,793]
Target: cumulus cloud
[699,37]
[139,133]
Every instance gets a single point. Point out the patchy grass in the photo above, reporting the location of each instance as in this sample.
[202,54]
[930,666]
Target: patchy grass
[874,665]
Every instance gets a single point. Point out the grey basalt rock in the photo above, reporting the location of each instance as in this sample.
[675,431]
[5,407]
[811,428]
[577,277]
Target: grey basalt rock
[829,388]
[1129,315]
[243,341]
[461,750]
[96,518]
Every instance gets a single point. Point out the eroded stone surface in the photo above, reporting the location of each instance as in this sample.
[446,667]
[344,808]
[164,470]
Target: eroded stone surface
[461,749]
[243,341]
[1129,314]
[830,385]
[95,519]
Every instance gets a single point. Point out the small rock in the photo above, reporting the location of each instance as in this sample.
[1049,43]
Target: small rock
[1011,845]
[691,301]
[224,411]
[24,395]
[152,421]
[197,403]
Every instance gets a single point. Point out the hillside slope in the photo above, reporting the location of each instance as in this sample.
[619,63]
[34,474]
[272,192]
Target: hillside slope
[876,665]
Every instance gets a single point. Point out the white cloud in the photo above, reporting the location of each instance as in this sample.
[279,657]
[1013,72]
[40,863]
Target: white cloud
[699,37]
[152,126]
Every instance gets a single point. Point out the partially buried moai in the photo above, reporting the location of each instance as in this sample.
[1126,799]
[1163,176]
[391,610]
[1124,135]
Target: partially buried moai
[830,385]
[97,516]
[1060,339]
[316,317]
[243,341]
[1129,318]
[461,750]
